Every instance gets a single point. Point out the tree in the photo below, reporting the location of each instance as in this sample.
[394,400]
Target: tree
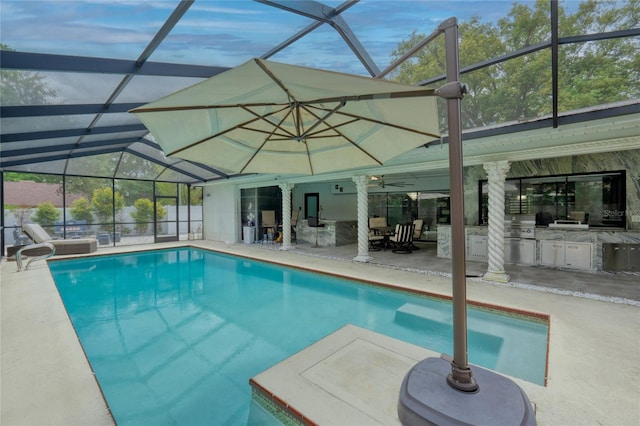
[102,204]
[161,213]
[602,71]
[21,213]
[196,196]
[81,210]
[34,177]
[520,88]
[46,214]
[23,88]
[143,215]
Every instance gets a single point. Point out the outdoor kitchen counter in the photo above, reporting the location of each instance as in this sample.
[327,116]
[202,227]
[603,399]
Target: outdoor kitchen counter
[588,243]
[333,233]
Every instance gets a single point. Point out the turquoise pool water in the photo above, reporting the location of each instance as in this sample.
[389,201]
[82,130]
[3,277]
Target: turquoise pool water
[174,335]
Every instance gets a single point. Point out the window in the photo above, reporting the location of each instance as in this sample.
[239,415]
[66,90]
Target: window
[404,207]
[311,205]
[598,199]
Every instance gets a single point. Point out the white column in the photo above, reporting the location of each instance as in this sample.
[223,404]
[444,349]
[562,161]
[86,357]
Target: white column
[363,218]
[497,172]
[286,188]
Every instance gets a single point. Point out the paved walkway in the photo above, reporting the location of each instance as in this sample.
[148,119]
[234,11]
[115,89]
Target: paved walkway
[616,287]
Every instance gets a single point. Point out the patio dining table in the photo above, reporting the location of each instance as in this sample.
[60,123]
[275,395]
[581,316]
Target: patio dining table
[386,232]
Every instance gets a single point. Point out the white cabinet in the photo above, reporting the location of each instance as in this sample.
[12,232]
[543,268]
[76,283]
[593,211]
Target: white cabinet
[577,255]
[520,251]
[552,253]
[477,248]
[566,254]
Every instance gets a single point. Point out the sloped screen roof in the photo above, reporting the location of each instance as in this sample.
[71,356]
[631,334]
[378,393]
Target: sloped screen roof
[71,71]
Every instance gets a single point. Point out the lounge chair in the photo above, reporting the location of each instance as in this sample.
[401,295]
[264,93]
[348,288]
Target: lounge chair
[403,238]
[73,246]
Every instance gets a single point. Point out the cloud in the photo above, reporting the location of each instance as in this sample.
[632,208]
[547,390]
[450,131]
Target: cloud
[224,33]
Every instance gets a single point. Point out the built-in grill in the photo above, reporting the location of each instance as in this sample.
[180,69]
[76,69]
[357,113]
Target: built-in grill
[520,226]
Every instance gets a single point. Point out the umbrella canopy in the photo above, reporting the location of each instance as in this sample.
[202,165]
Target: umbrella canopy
[268,117]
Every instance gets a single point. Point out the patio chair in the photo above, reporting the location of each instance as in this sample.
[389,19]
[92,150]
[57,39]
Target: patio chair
[74,246]
[417,233]
[377,237]
[403,238]
[377,223]
[269,224]
[376,241]
[294,223]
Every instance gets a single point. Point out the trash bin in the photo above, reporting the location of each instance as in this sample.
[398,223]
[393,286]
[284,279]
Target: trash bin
[249,233]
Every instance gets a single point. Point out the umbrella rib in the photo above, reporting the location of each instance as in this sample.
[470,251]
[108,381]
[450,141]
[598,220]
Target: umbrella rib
[293,102]
[239,126]
[306,146]
[273,77]
[346,138]
[320,120]
[373,96]
[384,123]
[267,139]
[263,118]
[357,118]
[197,107]
[330,127]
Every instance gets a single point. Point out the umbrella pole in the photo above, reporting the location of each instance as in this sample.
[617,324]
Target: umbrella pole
[461,377]
[425,397]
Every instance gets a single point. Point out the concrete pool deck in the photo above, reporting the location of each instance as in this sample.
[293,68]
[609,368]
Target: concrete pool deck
[594,346]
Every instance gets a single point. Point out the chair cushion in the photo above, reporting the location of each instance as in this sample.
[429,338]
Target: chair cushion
[377,222]
[36,233]
[79,246]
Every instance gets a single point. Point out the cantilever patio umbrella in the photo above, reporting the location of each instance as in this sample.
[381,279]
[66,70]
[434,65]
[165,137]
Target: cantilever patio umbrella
[268,117]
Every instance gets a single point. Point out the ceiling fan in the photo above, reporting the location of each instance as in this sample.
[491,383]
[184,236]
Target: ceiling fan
[379,181]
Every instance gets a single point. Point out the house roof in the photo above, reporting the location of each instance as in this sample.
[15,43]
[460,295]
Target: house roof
[29,194]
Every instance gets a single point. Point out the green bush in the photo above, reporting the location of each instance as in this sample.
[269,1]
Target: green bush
[144,213]
[81,210]
[46,214]
[102,205]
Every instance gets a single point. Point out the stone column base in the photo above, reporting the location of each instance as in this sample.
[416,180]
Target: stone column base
[284,247]
[362,258]
[497,276]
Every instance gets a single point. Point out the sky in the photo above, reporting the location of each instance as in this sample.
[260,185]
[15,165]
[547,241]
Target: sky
[226,32]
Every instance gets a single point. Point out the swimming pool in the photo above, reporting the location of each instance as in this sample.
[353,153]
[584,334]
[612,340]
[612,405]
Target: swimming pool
[175,335]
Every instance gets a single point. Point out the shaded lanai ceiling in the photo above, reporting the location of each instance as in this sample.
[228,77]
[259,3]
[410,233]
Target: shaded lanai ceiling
[71,71]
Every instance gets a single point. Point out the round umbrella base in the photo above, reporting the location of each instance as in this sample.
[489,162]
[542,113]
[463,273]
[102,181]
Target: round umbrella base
[427,399]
